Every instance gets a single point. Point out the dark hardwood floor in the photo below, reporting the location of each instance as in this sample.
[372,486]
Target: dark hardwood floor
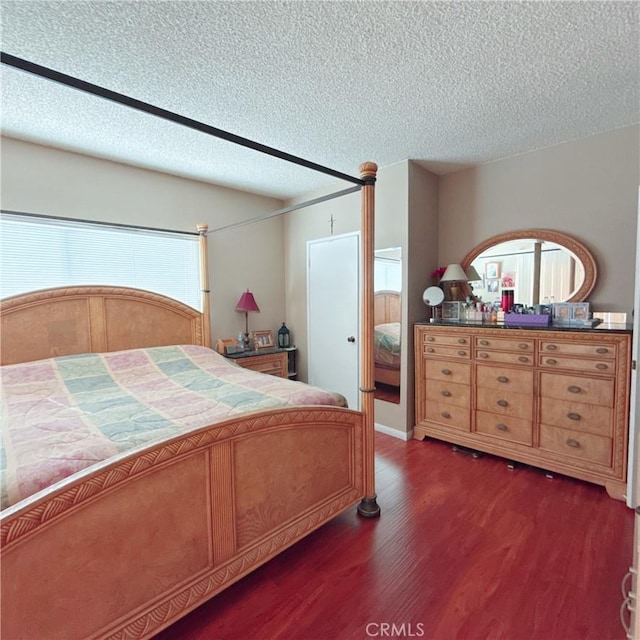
[465,549]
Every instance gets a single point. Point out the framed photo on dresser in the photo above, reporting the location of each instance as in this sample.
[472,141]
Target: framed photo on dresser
[451,311]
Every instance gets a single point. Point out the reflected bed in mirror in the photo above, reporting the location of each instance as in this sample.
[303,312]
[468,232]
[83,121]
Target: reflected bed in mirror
[387,316]
[542,266]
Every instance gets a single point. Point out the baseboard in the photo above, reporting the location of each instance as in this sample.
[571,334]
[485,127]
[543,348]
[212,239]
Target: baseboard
[401,435]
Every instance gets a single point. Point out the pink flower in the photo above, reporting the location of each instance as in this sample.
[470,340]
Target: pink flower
[439,272]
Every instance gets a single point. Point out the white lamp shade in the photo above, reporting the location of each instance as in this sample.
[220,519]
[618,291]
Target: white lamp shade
[472,274]
[454,273]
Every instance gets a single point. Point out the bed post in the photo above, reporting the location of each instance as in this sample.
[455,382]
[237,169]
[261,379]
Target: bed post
[368,506]
[204,283]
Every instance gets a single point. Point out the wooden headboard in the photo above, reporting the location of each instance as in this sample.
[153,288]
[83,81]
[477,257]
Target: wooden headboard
[69,320]
[387,307]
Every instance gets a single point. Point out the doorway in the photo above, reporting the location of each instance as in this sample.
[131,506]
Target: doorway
[333,314]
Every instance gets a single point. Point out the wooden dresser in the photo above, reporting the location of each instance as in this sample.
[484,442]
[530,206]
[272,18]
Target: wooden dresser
[554,399]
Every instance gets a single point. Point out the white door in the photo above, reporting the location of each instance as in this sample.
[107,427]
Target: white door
[333,315]
[633,484]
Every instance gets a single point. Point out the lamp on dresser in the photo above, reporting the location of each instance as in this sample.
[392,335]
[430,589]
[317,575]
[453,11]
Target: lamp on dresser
[453,276]
[247,303]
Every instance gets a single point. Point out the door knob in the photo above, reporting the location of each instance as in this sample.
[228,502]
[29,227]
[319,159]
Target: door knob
[351,339]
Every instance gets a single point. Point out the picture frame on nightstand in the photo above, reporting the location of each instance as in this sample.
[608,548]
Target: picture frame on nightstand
[263,340]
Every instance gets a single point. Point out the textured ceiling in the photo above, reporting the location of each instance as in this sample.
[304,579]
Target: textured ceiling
[449,84]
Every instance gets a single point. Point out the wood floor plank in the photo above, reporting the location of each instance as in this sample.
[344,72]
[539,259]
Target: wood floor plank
[465,549]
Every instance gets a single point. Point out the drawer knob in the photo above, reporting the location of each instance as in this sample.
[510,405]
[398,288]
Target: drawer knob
[602,350]
[551,361]
[502,427]
[573,443]
[502,403]
[446,372]
[574,389]
[430,350]
[551,347]
[602,366]
[483,355]
[523,345]
[523,359]
[573,416]
[446,394]
[445,414]
[462,341]
[462,353]
[502,379]
[484,343]
[430,339]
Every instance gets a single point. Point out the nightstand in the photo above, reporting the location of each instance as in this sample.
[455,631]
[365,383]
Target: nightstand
[291,358]
[275,362]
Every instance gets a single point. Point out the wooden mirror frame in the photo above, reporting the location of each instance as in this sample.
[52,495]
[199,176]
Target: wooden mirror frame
[577,248]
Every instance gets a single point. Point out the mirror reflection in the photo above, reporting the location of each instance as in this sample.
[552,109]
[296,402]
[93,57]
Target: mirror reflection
[387,279]
[538,272]
[540,266]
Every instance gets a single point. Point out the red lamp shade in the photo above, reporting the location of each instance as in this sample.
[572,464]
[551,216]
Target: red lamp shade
[247,302]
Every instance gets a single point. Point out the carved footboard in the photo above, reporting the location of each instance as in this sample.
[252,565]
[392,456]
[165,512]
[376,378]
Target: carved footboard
[129,547]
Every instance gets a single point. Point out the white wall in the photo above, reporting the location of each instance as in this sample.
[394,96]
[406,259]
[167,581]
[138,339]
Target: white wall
[38,179]
[587,188]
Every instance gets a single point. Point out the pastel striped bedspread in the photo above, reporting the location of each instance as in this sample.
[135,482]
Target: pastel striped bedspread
[387,344]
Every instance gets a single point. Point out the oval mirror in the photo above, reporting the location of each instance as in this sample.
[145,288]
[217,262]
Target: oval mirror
[541,265]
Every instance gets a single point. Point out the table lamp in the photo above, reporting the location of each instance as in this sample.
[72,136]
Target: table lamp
[453,275]
[247,303]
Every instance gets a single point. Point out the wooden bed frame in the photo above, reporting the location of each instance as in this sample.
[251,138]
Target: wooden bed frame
[126,547]
[387,309]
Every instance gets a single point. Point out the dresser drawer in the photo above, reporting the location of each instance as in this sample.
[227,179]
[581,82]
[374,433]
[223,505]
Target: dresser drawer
[274,364]
[504,344]
[503,378]
[505,403]
[449,393]
[448,340]
[446,352]
[576,389]
[577,416]
[584,365]
[448,415]
[508,428]
[451,371]
[505,356]
[587,447]
[599,351]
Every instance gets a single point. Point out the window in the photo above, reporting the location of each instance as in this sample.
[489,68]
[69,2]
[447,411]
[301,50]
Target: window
[387,269]
[38,253]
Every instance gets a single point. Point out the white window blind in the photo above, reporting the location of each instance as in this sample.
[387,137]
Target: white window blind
[39,253]
[387,274]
